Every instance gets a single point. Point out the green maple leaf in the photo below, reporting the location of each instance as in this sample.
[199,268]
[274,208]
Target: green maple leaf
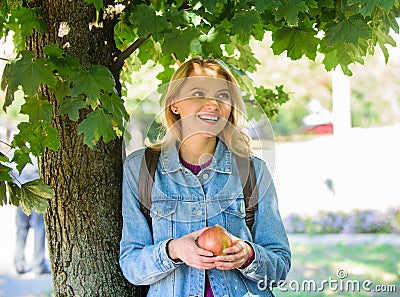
[98,4]
[367,6]
[115,105]
[330,61]
[37,108]
[24,20]
[65,66]
[297,41]
[98,124]
[311,3]
[165,75]
[149,22]
[347,30]
[177,18]
[39,136]
[71,107]
[21,157]
[179,42]
[211,42]
[30,73]
[61,90]
[8,85]
[4,158]
[326,3]
[149,50]
[342,54]
[5,173]
[263,5]
[35,194]
[91,82]
[53,51]
[123,35]
[243,22]
[384,39]
[3,196]
[211,5]
[290,10]
[14,193]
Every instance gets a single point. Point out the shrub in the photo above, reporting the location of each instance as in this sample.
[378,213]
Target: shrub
[357,221]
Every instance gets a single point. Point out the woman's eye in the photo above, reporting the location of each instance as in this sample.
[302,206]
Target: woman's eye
[198,94]
[224,96]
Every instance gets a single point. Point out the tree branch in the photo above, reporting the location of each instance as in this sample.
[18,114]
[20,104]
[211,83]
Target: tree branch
[5,59]
[120,59]
[177,61]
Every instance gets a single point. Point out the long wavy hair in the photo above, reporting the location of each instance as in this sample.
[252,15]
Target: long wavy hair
[232,134]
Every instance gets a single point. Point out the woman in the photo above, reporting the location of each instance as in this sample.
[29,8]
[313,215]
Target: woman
[197,185]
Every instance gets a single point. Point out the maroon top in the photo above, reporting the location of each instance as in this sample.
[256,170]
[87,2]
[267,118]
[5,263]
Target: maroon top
[196,169]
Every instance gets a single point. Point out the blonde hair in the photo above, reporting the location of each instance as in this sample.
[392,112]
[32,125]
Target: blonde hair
[232,135]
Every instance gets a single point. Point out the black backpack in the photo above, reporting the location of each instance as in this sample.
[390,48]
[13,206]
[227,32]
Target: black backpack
[146,179]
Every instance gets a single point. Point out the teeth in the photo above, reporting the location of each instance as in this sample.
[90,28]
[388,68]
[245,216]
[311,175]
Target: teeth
[209,118]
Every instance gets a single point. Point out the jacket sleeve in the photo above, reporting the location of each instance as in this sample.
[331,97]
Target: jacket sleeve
[270,243]
[142,262]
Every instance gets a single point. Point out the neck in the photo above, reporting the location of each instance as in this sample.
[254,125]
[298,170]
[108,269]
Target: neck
[198,150]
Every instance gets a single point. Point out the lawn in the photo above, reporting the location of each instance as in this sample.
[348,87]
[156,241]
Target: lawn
[343,270]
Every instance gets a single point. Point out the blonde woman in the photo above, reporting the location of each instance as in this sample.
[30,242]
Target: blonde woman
[197,185]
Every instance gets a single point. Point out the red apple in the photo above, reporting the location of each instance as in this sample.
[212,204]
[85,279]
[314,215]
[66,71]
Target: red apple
[215,239]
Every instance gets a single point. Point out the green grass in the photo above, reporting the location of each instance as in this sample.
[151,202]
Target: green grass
[380,264]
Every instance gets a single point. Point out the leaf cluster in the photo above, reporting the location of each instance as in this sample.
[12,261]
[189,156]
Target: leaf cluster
[30,195]
[344,31]
[75,89]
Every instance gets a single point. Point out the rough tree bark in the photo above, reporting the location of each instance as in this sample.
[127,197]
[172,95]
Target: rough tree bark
[83,222]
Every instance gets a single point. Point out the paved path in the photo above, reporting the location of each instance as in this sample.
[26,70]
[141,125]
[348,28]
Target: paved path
[12,284]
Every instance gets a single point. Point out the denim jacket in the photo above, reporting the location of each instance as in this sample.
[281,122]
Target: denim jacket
[182,203]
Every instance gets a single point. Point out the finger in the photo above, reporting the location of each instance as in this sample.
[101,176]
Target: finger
[236,248]
[202,262]
[231,250]
[203,252]
[196,234]
[227,258]
[226,265]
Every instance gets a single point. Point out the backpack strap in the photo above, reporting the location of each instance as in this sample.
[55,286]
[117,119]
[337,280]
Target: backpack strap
[247,178]
[146,179]
[250,190]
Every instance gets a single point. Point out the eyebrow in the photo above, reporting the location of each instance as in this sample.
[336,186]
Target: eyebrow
[203,89]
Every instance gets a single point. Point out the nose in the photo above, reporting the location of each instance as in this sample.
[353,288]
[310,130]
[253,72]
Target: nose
[212,103]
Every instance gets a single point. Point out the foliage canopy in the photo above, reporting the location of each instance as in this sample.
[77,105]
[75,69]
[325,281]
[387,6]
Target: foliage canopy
[167,32]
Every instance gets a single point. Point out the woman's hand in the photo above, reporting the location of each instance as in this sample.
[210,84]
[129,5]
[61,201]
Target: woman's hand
[236,255]
[186,249]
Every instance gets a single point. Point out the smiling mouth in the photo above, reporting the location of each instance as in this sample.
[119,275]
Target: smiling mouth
[209,118]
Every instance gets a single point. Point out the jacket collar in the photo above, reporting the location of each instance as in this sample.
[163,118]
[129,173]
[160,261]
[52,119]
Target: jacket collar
[222,159]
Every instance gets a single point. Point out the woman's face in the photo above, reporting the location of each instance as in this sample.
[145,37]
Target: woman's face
[203,104]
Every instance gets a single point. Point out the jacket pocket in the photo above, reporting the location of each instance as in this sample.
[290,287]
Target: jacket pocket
[233,214]
[235,207]
[162,209]
[163,213]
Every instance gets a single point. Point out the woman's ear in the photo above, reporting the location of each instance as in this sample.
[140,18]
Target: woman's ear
[174,108]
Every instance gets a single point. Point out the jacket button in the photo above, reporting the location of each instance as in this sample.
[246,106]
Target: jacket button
[205,175]
[165,262]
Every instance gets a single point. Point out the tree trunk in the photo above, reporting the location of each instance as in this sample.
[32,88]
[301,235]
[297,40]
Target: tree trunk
[83,222]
